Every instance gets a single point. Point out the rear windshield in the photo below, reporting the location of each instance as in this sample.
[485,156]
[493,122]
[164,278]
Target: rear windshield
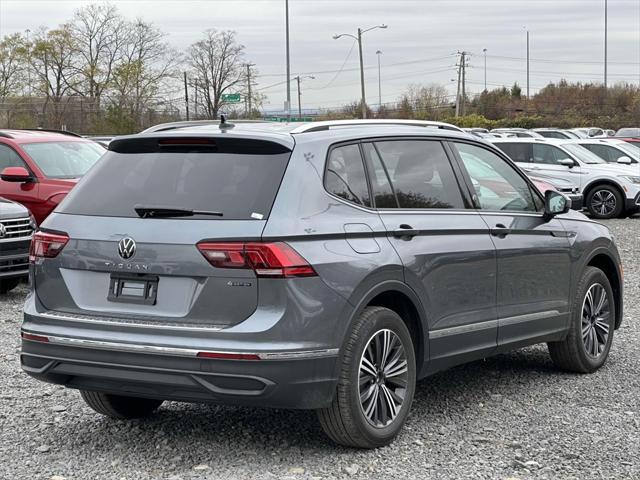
[241,186]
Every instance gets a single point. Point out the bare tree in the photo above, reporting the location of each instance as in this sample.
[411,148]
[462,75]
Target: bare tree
[98,30]
[217,63]
[12,65]
[52,58]
[147,63]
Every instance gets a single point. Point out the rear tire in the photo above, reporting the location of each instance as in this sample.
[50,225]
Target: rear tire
[8,285]
[587,345]
[120,407]
[604,201]
[375,389]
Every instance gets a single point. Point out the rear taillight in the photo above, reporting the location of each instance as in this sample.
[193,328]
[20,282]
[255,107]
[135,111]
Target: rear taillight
[46,245]
[269,260]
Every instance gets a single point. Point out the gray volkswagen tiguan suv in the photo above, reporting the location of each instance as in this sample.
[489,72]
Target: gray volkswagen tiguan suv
[323,266]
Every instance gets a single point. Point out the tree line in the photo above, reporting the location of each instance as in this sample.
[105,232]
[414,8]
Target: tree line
[101,73]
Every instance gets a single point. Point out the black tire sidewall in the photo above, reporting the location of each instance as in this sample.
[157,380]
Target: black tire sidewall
[591,277]
[619,202]
[380,320]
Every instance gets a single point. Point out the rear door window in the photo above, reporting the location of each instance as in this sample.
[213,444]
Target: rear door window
[420,174]
[242,186]
[518,152]
[548,154]
[345,176]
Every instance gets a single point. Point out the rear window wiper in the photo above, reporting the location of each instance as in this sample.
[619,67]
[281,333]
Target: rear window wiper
[155,211]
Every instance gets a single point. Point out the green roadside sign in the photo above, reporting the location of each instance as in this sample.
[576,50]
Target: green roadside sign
[231,97]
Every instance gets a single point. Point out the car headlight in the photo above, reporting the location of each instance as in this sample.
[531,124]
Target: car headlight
[631,178]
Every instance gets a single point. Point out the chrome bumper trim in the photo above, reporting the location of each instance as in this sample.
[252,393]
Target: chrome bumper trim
[138,323]
[176,351]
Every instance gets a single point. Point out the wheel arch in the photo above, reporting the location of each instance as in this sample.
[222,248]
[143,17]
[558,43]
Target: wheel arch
[400,298]
[604,261]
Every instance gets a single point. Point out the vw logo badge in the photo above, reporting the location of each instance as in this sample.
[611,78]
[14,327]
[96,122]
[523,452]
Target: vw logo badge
[3,230]
[127,248]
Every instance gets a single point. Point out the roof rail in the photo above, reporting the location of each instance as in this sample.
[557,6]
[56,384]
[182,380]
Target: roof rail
[50,130]
[320,126]
[163,127]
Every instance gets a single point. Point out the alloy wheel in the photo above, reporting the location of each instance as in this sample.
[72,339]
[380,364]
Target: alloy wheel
[383,378]
[604,202]
[596,316]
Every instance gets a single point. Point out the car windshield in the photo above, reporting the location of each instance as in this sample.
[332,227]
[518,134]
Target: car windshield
[633,151]
[64,159]
[582,153]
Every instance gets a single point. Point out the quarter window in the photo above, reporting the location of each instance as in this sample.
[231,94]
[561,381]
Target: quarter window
[9,158]
[496,184]
[518,152]
[345,175]
[420,173]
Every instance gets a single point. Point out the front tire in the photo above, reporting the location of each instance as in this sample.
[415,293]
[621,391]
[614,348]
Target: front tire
[593,314]
[605,201]
[376,382]
[118,406]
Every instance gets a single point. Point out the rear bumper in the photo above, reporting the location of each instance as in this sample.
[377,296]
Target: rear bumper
[296,381]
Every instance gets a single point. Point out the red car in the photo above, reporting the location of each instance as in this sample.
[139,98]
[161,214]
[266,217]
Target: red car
[38,167]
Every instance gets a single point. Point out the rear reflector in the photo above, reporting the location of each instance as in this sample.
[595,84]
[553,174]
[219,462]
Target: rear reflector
[267,260]
[46,245]
[228,356]
[34,338]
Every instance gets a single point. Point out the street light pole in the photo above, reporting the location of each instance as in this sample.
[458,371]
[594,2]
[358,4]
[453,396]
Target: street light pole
[358,38]
[379,52]
[484,50]
[286,5]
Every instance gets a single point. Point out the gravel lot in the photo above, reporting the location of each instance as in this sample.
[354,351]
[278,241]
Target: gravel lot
[513,416]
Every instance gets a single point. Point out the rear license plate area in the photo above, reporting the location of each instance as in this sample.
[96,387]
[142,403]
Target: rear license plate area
[133,288]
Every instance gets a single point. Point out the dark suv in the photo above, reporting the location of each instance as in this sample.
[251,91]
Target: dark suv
[324,266]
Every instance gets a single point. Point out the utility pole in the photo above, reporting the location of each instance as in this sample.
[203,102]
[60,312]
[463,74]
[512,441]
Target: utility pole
[458,89]
[186,95]
[464,84]
[484,50]
[379,53]
[286,6]
[528,63]
[363,100]
[606,32]
[298,79]
[250,111]
[299,98]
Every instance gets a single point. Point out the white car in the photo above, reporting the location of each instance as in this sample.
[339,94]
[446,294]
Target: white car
[609,190]
[613,151]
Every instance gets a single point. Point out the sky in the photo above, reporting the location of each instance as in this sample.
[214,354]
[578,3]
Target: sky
[418,47]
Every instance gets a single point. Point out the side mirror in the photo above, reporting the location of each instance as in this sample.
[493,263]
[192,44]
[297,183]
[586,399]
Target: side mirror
[555,203]
[624,160]
[567,162]
[16,174]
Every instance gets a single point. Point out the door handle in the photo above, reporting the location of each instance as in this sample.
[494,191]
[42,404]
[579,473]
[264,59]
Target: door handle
[500,231]
[405,231]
